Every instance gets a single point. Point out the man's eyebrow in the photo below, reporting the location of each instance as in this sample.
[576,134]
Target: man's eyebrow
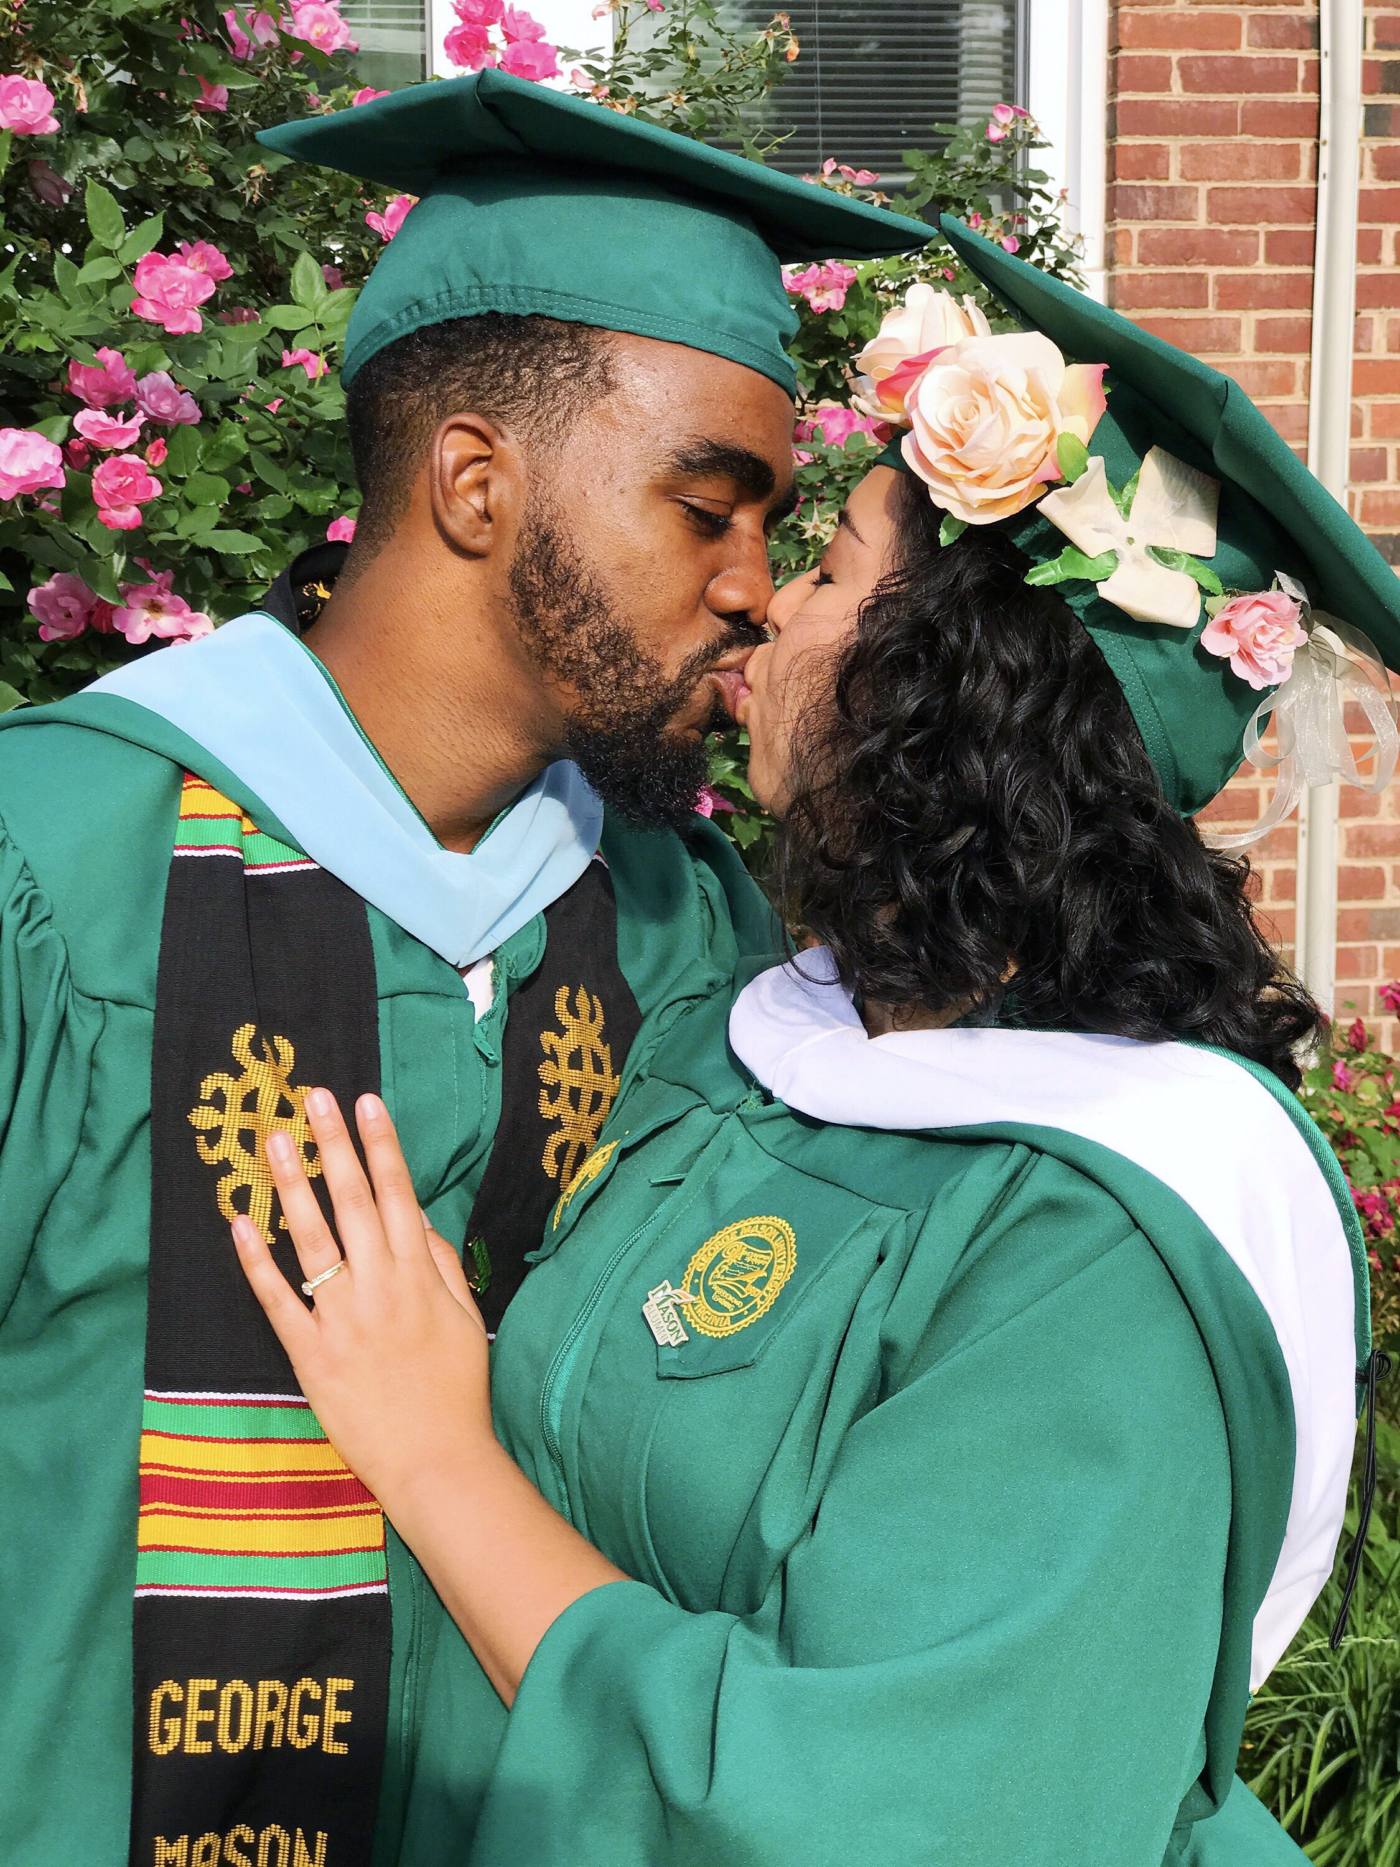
[850,525]
[724,460]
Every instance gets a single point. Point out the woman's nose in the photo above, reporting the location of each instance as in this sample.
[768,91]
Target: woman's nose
[786,600]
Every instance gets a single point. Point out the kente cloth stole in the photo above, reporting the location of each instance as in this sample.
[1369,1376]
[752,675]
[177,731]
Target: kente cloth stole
[262,1615]
[570,1027]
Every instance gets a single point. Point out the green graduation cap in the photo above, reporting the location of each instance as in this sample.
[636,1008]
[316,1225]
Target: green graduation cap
[1184,498]
[533,201]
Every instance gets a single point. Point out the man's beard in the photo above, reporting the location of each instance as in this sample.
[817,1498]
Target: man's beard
[618,733]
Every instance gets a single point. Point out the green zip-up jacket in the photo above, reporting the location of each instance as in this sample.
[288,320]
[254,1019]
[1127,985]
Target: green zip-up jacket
[88,804]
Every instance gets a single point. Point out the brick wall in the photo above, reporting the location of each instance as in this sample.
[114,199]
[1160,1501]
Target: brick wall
[1211,212]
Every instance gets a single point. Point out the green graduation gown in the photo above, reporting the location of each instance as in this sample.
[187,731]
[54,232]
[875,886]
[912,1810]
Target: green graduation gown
[88,803]
[996,1444]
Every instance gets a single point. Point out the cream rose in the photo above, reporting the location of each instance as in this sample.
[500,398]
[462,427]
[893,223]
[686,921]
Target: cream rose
[986,419]
[906,340]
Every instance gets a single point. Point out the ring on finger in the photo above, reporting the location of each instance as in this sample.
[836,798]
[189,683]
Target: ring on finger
[313,1284]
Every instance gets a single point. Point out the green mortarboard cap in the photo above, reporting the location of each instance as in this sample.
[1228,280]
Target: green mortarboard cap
[1190,708]
[531,200]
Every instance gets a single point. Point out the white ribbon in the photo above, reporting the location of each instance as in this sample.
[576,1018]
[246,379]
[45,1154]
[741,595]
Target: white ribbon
[1337,666]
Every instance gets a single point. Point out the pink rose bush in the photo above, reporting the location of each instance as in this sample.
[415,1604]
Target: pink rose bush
[1258,634]
[160,398]
[320,25]
[120,487]
[108,432]
[490,35]
[65,608]
[261,31]
[835,424]
[1000,122]
[28,463]
[26,106]
[387,224]
[170,288]
[212,97]
[148,609]
[102,384]
[824,287]
[308,360]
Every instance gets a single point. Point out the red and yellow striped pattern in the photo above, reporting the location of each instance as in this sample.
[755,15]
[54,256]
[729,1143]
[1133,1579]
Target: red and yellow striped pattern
[212,825]
[244,1495]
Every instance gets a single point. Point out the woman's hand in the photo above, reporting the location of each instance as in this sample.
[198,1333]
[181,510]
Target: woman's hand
[393,1358]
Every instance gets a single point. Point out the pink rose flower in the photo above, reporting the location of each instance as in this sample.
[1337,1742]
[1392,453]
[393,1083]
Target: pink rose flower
[28,463]
[316,24]
[835,425]
[1356,1034]
[333,277]
[1342,1078]
[367,94]
[262,27]
[1257,634]
[518,25]
[531,59]
[202,256]
[656,6]
[48,184]
[160,398]
[708,801]
[313,365]
[212,97]
[823,287]
[1389,996]
[77,454]
[469,47]
[157,451]
[1010,242]
[148,609]
[272,408]
[169,290]
[26,106]
[102,384]
[387,224]
[63,606]
[1007,113]
[120,487]
[482,13]
[109,432]
[341,531]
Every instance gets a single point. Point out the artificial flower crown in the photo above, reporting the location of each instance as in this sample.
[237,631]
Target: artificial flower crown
[1000,425]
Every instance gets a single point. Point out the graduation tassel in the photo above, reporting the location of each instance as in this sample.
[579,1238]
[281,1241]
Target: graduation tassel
[1375,1370]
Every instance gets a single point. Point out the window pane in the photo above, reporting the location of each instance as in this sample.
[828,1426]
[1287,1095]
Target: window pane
[393,36]
[876,75]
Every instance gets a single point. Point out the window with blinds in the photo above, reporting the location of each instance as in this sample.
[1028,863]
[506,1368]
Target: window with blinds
[874,76]
[393,36]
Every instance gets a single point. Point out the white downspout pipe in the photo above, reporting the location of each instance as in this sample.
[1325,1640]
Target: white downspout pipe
[1329,430]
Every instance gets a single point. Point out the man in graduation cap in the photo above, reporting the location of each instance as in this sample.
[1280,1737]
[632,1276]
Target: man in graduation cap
[381,855]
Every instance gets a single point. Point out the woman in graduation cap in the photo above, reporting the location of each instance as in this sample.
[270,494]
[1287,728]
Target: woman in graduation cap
[931,1414]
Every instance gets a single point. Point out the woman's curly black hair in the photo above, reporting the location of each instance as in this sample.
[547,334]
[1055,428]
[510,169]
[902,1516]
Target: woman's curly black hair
[979,799]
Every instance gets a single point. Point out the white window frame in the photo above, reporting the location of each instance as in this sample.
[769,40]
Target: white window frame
[1067,57]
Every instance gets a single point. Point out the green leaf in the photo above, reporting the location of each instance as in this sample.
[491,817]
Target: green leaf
[1125,495]
[5,583]
[1193,567]
[951,529]
[268,470]
[308,286]
[55,428]
[287,317]
[10,697]
[206,489]
[107,268]
[104,216]
[237,544]
[5,140]
[1073,457]
[100,575]
[185,450]
[65,275]
[1071,566]
[142,240]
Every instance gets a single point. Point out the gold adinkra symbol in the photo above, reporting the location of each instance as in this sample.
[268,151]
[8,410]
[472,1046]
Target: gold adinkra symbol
[254,1105]
[578,1068]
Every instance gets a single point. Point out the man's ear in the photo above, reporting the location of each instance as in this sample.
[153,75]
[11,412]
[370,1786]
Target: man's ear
[477,484]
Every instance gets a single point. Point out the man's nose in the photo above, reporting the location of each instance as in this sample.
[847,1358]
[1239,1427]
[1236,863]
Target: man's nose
[744,588]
